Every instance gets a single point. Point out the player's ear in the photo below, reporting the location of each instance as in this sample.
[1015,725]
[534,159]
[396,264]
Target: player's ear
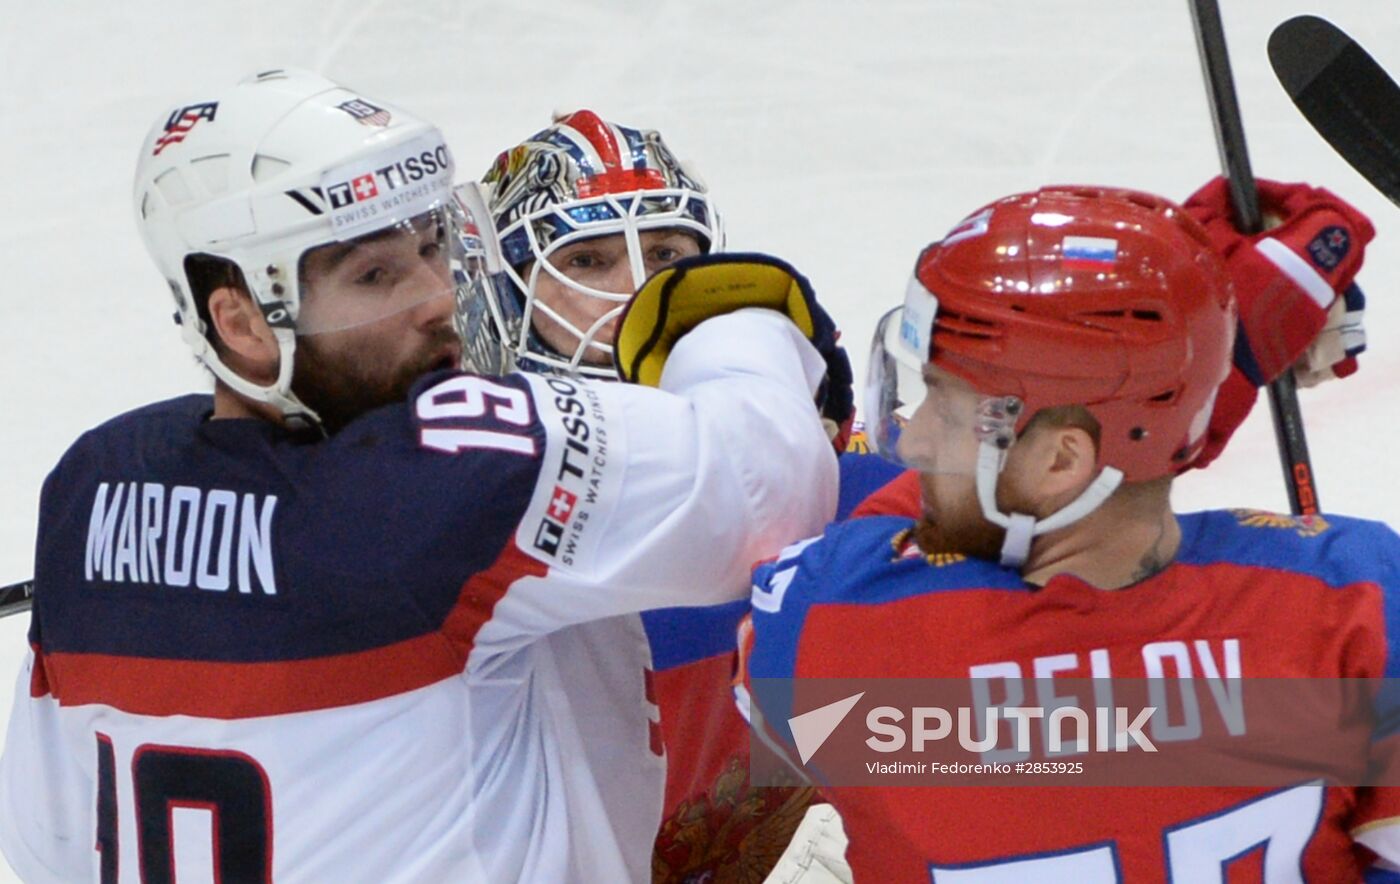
[1051,465]
[246,342]
[1074,463]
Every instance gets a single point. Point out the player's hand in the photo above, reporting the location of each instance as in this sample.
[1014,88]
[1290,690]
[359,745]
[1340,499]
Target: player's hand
[1287,277]
[1288,280]
[678,298]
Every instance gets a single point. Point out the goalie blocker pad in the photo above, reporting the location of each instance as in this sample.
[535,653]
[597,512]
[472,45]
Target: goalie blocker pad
[680,297]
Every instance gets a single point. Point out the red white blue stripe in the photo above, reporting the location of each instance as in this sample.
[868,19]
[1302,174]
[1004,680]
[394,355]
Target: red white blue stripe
[1092,252]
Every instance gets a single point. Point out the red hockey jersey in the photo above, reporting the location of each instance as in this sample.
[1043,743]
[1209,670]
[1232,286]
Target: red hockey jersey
[1270,596]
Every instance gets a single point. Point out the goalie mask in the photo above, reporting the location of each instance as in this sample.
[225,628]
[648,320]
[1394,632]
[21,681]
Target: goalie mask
[1110,300]
[582,179]
[287,172]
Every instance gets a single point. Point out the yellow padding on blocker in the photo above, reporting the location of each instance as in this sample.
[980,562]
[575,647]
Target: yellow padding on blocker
[675,300]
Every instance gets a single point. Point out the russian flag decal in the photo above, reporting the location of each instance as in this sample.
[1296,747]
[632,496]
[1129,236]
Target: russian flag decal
[1088,252]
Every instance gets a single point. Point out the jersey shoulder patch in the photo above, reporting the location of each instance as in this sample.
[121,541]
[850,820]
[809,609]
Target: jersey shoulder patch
[862,562]
[874,560]
[1338,550]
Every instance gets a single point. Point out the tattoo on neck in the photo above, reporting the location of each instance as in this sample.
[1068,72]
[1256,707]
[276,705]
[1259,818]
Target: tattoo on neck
[1155,559]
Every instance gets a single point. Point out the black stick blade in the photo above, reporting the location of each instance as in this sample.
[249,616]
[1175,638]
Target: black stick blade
[1346,96]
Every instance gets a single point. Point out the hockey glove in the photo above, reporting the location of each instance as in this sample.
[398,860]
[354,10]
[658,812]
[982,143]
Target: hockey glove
[817,852]
[1287,281]
[677,299]
[1333,354]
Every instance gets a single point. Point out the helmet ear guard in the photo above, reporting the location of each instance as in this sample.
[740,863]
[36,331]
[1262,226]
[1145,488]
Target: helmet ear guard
[1107,299]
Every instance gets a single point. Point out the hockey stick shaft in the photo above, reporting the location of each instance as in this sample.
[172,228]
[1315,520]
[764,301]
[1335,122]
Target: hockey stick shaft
[16,598]
[1244,198]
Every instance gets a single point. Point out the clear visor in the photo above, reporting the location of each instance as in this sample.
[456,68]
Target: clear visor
[381,274]
[924,418]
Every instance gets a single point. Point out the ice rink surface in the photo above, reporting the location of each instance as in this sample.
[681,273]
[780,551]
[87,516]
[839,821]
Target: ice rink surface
[840,136]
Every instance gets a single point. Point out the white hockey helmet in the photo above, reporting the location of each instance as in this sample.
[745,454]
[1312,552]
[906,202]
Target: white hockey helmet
[583,177]
[281,163]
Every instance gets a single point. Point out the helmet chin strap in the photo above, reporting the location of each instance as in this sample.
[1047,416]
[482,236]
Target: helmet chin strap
[278,394]
[1022,529]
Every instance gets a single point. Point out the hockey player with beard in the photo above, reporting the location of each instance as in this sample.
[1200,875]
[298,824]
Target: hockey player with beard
[584,211]
[1311,327]
[1056,362]
[322,625]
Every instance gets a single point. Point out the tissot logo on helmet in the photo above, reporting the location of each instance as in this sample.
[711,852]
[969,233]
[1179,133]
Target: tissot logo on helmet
[389,177]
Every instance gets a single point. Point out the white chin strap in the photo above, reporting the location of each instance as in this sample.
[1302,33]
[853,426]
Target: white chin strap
[278,394]
[1021,529]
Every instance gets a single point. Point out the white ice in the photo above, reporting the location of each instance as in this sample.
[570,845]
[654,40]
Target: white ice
[842,136]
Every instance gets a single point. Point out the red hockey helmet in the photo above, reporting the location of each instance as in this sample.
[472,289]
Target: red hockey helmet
[1110,299]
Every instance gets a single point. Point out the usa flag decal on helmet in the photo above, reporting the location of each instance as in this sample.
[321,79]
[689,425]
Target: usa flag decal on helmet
[182,121]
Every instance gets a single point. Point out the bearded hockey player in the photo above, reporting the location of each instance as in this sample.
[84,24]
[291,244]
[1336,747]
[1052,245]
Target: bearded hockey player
[323,625]
[1053,367]
[1298,303]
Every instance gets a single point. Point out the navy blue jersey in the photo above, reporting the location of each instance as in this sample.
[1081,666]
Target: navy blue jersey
[407,652]
[167,535]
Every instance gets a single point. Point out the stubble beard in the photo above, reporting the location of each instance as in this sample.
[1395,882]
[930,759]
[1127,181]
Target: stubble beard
[342,383]
[957,527]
